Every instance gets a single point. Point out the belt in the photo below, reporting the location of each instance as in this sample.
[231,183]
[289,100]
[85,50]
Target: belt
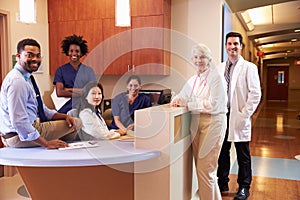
[9,135]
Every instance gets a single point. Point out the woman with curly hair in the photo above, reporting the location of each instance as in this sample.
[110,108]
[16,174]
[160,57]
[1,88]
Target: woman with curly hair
[71,77]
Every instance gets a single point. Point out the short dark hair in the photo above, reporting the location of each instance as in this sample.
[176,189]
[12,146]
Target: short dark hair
[27,41]
[74,39]
[134,77]
[234,34]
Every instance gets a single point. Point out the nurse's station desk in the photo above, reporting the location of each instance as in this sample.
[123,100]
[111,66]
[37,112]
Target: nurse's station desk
[155,164]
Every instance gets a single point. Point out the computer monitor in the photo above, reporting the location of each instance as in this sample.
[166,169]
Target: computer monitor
[158,97]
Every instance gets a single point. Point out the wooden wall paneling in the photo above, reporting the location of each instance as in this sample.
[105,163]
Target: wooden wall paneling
[167,14]
[91,30]
[148,44]
[167,35]
[65,15]
[66,10]
[146,7]
[117,47]
[89,9]
[57,32]
[59,10]
[109,6]
[53,7]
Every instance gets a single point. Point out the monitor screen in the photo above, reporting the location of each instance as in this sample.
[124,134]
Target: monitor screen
[158,97]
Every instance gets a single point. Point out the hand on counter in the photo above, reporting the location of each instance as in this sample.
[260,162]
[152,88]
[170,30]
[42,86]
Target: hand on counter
[121,132]
[178,103]
[51,144]
[55,144]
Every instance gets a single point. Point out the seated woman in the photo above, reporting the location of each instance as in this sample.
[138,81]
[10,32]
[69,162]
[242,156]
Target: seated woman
[88,110]
[124,105]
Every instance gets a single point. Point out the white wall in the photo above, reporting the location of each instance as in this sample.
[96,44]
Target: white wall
[38,31]
[197,21]
[193,21]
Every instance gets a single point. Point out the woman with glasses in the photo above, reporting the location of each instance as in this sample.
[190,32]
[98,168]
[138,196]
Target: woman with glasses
[124,105]
[205,96]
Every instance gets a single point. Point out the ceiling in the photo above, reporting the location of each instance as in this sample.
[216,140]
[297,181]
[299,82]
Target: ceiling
[275,29]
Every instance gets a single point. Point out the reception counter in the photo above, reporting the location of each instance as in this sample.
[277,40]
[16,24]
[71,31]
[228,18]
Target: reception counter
[105,171]
[172,175]
[156,165]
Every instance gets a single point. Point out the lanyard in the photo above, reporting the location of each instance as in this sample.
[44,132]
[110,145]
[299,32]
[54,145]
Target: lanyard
[200,84]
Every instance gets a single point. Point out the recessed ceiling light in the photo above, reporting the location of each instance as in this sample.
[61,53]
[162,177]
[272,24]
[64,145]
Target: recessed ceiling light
[261,15]
[294,40]
[297,30]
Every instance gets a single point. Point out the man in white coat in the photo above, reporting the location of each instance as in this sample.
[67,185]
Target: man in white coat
[244,94]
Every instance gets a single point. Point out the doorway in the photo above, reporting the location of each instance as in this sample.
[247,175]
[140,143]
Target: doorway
[277,82]
[4,55]
[0,66]
[5,60]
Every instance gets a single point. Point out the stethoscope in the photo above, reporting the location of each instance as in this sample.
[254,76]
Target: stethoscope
[203,82]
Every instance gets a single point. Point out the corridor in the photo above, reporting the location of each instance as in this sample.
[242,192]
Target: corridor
[274,148]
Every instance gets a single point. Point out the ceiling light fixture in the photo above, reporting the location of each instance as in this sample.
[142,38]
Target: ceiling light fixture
[27,11]
[294,40]
[122,13]
[297,30]
[246,20]
[261,15]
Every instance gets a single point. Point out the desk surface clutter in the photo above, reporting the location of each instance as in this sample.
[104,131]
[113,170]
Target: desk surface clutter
[94,153]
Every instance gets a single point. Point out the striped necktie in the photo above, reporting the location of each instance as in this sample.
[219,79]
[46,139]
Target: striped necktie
[41,112]
[227,75]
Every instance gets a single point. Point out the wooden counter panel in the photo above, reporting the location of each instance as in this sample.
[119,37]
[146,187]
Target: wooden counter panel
[78,183]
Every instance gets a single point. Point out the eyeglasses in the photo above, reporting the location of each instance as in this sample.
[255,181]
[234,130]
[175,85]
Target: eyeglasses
[32,55]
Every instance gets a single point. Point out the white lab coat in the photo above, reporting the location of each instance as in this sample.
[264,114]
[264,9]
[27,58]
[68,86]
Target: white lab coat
[244,97]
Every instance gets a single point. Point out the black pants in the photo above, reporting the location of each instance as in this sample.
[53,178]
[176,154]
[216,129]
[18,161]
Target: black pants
[243,159]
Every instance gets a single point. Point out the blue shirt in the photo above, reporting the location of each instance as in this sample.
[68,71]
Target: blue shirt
[122,108]
[72,78]
[19,106]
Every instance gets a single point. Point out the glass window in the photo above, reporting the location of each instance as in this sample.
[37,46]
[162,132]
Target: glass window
[280,77]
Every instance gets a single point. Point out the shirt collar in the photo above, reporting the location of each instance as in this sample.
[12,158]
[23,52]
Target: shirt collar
[234,62]
[25,74]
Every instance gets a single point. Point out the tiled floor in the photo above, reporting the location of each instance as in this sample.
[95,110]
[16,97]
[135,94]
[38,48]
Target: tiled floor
[12,188]
[275,143]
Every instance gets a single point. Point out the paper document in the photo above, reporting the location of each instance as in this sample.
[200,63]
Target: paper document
[58,101]
[80,145]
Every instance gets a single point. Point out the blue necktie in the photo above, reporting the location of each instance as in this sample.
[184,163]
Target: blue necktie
[41,112]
